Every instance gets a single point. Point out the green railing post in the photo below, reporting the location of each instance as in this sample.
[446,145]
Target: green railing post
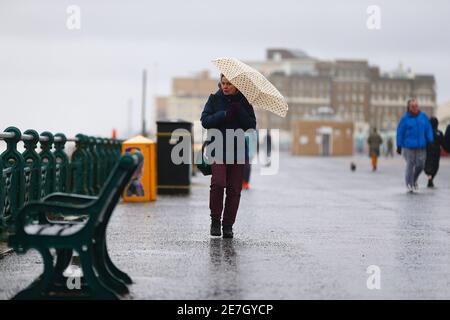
[78,167]
[94,167]
[32,175]
[90,167]
[2,197]
[111,153]
[118,148]
[12,172]
[32,169]
[102,174]
[106,160]
[62,164]
[48,163]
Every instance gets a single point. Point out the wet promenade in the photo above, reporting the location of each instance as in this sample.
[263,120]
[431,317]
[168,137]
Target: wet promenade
[309,232]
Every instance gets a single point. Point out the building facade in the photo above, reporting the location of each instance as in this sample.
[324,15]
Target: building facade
[356,91]
[317,137]
[443,115]
[187,100]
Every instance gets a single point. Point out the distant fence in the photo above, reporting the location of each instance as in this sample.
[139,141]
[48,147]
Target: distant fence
[31,175]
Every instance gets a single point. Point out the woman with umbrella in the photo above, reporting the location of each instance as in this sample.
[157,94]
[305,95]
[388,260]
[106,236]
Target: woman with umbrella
[227,109]
[241,87]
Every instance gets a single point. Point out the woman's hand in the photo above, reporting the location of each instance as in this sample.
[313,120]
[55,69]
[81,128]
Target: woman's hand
[232,111]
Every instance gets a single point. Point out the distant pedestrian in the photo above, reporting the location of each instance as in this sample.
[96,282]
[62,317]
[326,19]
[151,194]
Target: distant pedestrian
[251,140]
[267,143]
[374,142]
[360,142]
[414,133]
[390,147]
[433,152]
[227,109]
[446,141]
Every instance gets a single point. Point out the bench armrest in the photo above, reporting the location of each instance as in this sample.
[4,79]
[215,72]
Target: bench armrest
[71,198]
[42,208]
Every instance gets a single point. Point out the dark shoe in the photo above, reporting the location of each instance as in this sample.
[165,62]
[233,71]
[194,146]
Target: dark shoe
[215,227]
[227,231]
[430,184]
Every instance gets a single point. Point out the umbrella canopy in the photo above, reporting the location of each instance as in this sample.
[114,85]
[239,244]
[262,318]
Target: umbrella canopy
[253,85]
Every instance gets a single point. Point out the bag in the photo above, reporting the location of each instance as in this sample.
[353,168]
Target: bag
[203,165]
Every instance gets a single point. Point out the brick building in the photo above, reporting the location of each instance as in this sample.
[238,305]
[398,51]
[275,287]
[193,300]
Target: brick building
[356,91]
[186,102]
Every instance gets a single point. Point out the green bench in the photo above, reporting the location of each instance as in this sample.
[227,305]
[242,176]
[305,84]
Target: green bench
[34,229]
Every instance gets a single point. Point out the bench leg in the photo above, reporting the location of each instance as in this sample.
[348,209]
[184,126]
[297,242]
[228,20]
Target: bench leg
[103,271]
[38,289]
[63,259]
[114,270]
[98,288]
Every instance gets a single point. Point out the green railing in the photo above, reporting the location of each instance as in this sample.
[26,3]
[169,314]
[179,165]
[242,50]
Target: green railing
[31,175]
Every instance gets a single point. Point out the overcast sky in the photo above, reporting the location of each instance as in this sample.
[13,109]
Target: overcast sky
[53,78]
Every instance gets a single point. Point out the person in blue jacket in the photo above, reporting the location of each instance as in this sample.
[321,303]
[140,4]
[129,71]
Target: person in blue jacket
[414,133]
[227,109]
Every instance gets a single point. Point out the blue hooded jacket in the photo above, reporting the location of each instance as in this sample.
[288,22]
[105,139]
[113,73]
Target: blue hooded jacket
[245,118]
[414,132]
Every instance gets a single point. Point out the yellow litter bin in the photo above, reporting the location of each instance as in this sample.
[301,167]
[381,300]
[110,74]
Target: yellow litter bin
[143,184]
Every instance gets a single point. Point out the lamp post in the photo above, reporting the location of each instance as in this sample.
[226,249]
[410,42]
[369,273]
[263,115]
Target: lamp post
[144,87]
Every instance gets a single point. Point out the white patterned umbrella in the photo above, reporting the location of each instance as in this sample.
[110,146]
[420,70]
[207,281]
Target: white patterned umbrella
[253,85]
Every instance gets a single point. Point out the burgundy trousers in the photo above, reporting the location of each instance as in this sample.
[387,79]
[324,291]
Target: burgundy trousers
[225,177]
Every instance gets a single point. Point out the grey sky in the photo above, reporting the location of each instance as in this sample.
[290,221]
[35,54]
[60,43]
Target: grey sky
[55,79]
